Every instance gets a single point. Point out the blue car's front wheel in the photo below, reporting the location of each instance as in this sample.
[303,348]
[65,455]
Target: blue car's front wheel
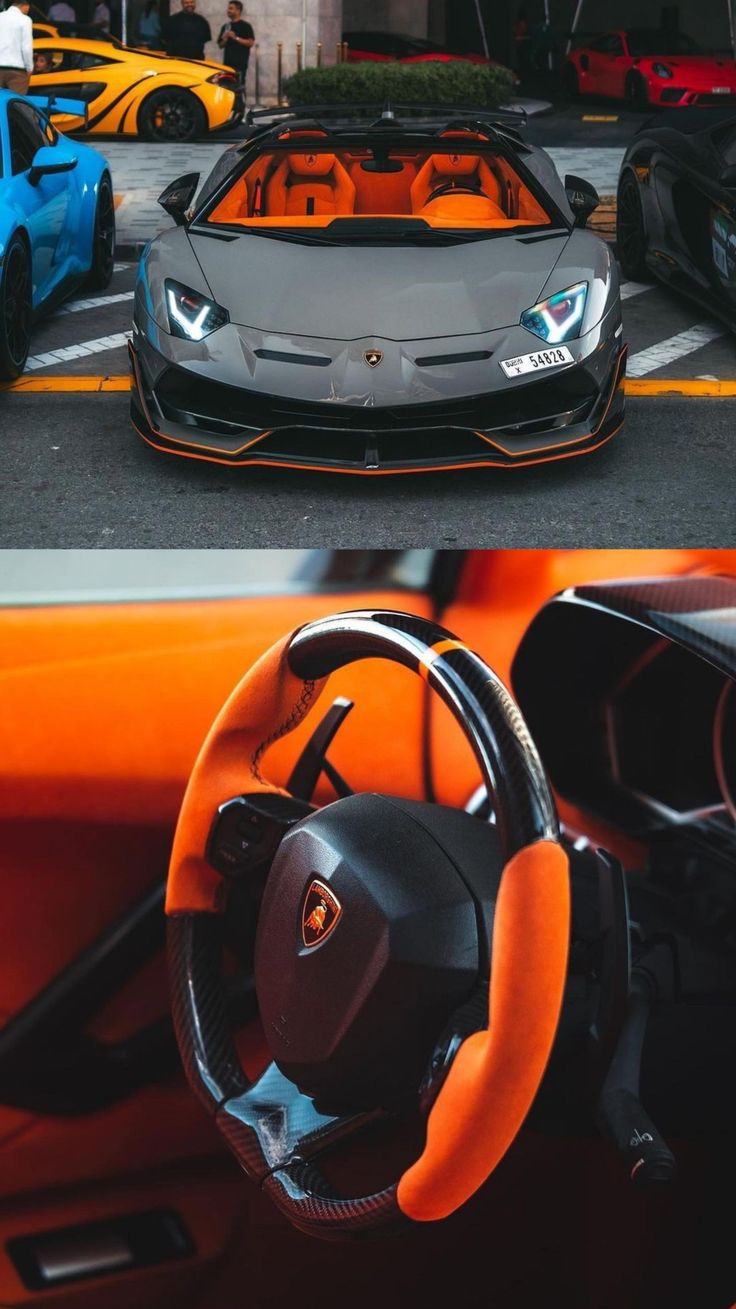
[15,309]
[103,242]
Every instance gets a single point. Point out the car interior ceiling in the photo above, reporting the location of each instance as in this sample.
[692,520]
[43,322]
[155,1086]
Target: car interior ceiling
[97,773]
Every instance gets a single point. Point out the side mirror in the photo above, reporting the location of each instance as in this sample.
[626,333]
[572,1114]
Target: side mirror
[50,159]
[178,196]
[582,198]
[727,178]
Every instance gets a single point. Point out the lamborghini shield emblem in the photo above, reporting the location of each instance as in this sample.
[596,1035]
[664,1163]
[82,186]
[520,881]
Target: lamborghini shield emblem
[373,358]
[320,913]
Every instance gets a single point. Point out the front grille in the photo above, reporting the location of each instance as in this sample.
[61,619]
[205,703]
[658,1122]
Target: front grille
[193,401]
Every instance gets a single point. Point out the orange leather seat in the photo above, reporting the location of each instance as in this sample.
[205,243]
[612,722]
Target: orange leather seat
[463,208]
[310,184]
[461,170]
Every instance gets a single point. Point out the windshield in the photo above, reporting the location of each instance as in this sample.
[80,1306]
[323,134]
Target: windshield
[380,193]
[652,42]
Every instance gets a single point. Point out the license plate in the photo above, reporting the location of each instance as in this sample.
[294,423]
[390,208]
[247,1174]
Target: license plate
[721,90]
[552,358]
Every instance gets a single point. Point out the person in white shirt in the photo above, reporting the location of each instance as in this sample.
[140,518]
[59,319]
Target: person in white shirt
[16,47]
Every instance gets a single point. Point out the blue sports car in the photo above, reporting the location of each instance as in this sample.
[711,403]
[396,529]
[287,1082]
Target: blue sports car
[57,219]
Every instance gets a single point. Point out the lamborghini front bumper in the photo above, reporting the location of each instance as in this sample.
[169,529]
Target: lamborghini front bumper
[567,411]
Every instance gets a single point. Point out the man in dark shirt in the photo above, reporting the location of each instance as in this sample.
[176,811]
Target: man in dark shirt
[185,33]
[235,39]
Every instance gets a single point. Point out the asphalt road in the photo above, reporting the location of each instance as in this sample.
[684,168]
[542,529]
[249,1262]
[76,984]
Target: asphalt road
[74,474]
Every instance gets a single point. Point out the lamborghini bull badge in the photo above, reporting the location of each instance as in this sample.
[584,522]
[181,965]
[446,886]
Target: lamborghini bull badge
[320,913]
[373,358]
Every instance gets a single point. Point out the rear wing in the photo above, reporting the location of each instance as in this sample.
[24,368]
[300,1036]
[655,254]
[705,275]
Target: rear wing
[51,104]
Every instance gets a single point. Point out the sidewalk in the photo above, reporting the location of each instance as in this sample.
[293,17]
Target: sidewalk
[140,171]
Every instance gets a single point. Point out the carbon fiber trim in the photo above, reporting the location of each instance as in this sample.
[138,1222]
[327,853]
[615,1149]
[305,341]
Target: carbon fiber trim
[310,1203]
[696,612]
[480,702]
[273,1124]
[194,947]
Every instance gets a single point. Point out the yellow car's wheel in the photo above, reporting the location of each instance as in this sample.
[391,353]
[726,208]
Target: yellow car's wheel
[171,114]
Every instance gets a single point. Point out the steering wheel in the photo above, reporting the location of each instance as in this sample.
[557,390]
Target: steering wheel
[406,953]
[454,188]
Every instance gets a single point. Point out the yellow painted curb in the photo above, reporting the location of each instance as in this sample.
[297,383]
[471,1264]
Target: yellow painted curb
[680,386]
[80,383]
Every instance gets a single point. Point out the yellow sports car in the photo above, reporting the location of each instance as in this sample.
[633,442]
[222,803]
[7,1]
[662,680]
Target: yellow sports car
[134,92]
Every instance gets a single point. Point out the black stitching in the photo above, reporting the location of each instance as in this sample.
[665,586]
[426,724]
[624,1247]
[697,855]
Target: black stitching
[299,711]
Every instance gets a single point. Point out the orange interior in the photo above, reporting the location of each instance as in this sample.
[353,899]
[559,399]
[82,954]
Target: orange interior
[311,188]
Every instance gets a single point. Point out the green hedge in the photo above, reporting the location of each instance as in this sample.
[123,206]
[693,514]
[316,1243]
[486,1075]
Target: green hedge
[459,83]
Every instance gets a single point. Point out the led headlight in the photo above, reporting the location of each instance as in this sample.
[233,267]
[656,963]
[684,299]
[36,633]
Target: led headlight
[560,317]
[662,70]
[191,314]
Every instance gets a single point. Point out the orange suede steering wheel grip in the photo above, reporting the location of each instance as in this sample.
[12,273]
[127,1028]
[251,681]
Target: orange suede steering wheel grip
[496,1073]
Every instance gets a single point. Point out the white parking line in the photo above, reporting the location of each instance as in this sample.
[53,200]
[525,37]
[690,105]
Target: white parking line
[76,306]
[67,352]
[675,347]
[629,289]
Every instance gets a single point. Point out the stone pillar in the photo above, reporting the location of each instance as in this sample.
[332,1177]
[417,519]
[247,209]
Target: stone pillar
[274,21]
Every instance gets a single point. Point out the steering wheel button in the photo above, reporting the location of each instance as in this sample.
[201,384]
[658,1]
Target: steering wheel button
[252,827]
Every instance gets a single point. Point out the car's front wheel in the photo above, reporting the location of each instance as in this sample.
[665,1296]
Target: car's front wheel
[631,231]
[171,114]
[637,95]
[103,241]
[16,305]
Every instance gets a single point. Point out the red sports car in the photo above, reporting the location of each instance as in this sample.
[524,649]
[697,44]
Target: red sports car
[390,47]
[648,67]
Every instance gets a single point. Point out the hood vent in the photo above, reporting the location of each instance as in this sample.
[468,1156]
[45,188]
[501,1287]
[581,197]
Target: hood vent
[284,357]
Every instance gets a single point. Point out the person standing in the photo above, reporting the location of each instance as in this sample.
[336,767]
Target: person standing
[101,16]
[186,33]
[16,47]
[61,12]
[236,39]
[522,43]
[148,32]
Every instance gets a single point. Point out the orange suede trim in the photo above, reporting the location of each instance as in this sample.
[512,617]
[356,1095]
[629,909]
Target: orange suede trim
[267,704]
[280,219]
[496,1073]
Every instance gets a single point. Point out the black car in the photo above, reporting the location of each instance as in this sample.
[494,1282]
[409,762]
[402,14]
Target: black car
[677,207]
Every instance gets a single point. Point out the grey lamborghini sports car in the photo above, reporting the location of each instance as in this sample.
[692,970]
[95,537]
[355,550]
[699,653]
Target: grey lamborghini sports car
[379,295]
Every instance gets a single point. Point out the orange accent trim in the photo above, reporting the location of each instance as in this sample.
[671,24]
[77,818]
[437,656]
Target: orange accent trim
[496,1073]
[267,704]
[378,472]
[436,652]
[323,220]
